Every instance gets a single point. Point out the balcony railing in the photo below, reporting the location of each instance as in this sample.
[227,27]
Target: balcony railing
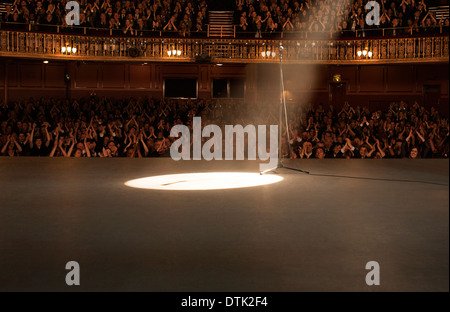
[402,49]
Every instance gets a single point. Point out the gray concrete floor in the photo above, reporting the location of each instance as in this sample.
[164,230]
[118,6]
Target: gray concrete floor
[306,233]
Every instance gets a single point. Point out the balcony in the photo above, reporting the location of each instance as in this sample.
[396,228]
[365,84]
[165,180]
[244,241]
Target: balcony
[308,50]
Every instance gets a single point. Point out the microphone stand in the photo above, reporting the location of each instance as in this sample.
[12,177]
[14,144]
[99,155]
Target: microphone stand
[280,164]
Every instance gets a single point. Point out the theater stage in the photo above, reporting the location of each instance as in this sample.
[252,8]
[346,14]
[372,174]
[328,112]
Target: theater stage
[304,233]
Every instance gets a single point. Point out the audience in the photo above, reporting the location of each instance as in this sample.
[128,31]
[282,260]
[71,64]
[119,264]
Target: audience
[130,17]
[400,131]
[347,17]
[102,127]
[253,18]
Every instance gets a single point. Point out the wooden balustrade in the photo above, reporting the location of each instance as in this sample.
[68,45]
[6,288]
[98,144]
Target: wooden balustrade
[324,51]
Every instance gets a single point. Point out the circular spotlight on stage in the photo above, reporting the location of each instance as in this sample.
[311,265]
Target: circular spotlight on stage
[204,181]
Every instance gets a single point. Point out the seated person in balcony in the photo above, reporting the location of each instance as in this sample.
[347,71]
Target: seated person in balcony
[316,26]
[106,5]
[156,24]
[31,19]
[183,30]
[114,25]
[170,26]
[421,8]
[394,29]
[258,33]
[16,22]
[385,20]
[243,26]
[21,8]
[102,22]
[429,24]
[445,25]
[47,23]
[238,12]
[83,21]
[114,22]
[412,27]
[122,16]
[287,25]
[137,14]
[343,30]
[271,26]
[90,17]
[186,20]
[253,20]
[128,29]
[201,17]
[147,16]
[361,29]
[141,28]
[199,26]
[50,8]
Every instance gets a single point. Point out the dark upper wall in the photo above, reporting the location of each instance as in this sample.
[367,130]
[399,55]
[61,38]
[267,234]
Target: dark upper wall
[221,5]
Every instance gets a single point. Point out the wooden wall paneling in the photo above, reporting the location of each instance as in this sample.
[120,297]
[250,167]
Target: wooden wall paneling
[251,73]
[251,77]
[2,74]
[228,71]
[443,81]
[204,84]
[86,75]
[300,77]
[267,76]
[180,70]
[349,76]
[140,76]
[432,74]
[157,78]
[319,76]
[400,78]
[54,75]
[371,78]
[113,76]
[31,75]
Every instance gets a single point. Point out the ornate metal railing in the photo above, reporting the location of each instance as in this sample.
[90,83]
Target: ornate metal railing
[341,51]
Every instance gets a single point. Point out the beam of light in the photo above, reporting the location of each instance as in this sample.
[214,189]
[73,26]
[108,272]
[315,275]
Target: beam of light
[204,181]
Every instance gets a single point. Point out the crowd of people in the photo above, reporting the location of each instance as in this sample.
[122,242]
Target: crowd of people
[130,17]
[253,18]
[345,18]
[400,131]
[103,127]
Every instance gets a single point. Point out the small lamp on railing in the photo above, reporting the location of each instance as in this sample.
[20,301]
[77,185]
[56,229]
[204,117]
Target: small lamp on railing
[174,52]
[364,54]
[68,50]
[268,54]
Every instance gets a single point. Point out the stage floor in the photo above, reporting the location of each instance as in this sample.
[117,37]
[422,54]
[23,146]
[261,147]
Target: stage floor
[305,233]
